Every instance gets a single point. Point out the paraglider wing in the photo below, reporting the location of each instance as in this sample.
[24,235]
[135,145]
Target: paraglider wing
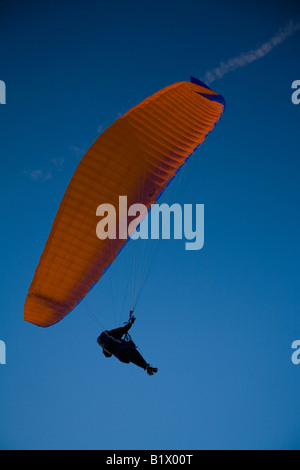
[136,156]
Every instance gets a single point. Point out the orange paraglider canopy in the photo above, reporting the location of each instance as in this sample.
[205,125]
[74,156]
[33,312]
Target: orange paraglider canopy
[136,156]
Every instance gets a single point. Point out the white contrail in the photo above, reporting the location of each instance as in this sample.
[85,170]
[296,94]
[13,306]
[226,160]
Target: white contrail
[248,57]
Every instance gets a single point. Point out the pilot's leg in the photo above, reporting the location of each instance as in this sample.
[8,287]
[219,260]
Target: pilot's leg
[138,360]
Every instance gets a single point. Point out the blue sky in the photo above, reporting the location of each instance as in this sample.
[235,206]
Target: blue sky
[218,323]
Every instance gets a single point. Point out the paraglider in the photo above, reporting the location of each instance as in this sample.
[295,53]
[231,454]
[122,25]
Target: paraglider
[137,156]
[118,343]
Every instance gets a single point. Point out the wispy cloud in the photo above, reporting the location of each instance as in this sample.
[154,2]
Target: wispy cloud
[53,167]
[58,163]
[77,151]
[45,174]
[246,58]
[38,175]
